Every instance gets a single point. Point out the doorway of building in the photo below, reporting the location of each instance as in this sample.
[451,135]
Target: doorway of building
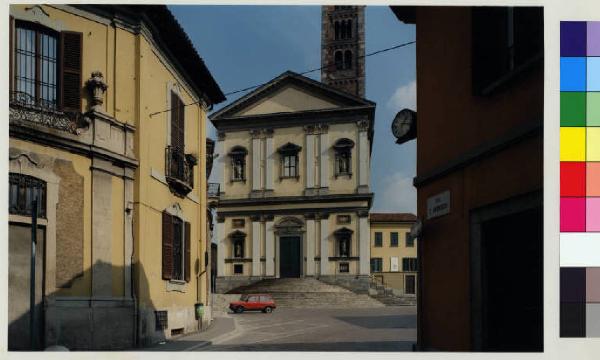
[19,255]
[289,256]
[512,274]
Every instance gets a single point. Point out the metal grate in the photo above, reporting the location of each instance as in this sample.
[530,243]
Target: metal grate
[162,320]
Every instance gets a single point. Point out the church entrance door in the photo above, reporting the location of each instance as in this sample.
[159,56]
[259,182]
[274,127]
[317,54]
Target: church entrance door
[289,256]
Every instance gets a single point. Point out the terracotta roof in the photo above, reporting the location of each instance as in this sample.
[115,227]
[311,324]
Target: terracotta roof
[392,217]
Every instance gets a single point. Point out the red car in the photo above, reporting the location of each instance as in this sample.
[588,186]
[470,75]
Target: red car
[262,302]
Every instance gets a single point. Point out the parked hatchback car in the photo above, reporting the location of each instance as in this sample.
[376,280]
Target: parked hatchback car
[253,302]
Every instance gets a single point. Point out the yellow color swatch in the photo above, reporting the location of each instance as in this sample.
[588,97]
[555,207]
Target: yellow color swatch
[572,144]
[593,144]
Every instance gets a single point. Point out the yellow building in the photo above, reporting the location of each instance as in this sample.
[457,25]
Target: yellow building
[294,156]
[121,184]
[394,252]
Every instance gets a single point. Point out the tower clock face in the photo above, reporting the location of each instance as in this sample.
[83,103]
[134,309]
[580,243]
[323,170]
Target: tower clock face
[402,123]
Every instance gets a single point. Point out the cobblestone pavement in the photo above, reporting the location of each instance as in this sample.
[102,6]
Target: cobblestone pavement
[380,329]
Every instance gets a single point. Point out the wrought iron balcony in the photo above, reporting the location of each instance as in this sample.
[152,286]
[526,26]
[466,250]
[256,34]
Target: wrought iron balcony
[214,189]
[179,169]
[27,108]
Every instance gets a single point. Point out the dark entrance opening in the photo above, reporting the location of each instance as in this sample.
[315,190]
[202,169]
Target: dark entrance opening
[512,274]
[289,256]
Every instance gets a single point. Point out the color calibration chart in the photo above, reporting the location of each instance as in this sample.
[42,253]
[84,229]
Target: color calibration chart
[579,179]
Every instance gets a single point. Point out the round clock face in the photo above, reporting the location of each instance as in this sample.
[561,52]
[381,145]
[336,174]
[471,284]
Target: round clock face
[402,123]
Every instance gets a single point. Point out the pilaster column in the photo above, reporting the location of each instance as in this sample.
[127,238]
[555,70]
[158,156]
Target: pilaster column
[324,151]
[269,155]
[325,244]
[221,158]
[128,229]
[256,246]
[363,156]
[101,229]
[256,160]
[221,238]
[310,244]
[310,157]
[364,241]
[269,246]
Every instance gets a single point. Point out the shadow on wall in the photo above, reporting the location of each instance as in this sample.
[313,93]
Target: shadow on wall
[84,322]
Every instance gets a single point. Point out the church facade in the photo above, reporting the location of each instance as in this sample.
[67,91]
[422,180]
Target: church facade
[294,156]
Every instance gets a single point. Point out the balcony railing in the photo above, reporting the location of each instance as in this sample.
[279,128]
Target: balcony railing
[179,170]
[27,108]
[214,189]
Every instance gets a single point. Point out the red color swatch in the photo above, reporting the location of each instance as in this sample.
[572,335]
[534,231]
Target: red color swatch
[572,178]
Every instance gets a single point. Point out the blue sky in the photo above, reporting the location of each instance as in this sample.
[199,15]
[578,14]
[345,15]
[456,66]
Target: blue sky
[249,45]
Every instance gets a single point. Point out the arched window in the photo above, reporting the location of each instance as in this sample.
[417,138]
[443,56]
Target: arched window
[238,163]
[343,157]
[337,30]
[22,190]
[238,239]
[349,29]
[339,60]
[348,59]
[343,30]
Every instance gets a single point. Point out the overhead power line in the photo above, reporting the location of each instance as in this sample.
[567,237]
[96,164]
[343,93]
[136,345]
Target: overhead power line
[302,73]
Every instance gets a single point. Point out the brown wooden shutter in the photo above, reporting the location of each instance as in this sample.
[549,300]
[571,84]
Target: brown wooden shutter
[167,246]
[11,55]
[70,59]
[187,259]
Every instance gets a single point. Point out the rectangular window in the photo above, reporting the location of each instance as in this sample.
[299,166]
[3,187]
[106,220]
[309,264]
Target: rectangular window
[176,254]
[162,320]
[376,264]
[45,67]
[22,190]
[410,241]
[290,166]
[409,264]
[378,239]
[344,267]
[238,268]
[36,65]
[394,239]
[410,282]
[505,41]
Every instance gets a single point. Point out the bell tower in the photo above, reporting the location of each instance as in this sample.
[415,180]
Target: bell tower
[343,48]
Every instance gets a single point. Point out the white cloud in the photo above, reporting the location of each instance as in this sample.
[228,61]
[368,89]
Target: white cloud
[398,195]
[404,97]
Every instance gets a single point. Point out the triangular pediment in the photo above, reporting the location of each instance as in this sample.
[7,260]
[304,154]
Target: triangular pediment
[289,98]
[289,93]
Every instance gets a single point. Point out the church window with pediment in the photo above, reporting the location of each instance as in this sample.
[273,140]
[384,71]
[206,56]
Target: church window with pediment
[343,157]
[289,160]
[238,163]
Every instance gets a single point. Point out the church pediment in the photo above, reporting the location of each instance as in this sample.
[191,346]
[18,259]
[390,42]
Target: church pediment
[289,93]
[288,99]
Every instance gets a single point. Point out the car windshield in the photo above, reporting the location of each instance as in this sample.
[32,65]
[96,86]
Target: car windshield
[244,298]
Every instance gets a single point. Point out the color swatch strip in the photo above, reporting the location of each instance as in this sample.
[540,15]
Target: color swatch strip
[579,179]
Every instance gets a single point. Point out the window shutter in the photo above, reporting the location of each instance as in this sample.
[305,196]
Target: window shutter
[187,259]
[167,246]
[70,57]
[177,122]
[11,52]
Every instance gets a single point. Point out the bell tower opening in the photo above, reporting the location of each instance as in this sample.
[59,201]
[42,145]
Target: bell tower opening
[343,48]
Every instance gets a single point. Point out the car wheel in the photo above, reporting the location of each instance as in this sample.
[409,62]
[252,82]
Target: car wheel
[239,309]
[268,309]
